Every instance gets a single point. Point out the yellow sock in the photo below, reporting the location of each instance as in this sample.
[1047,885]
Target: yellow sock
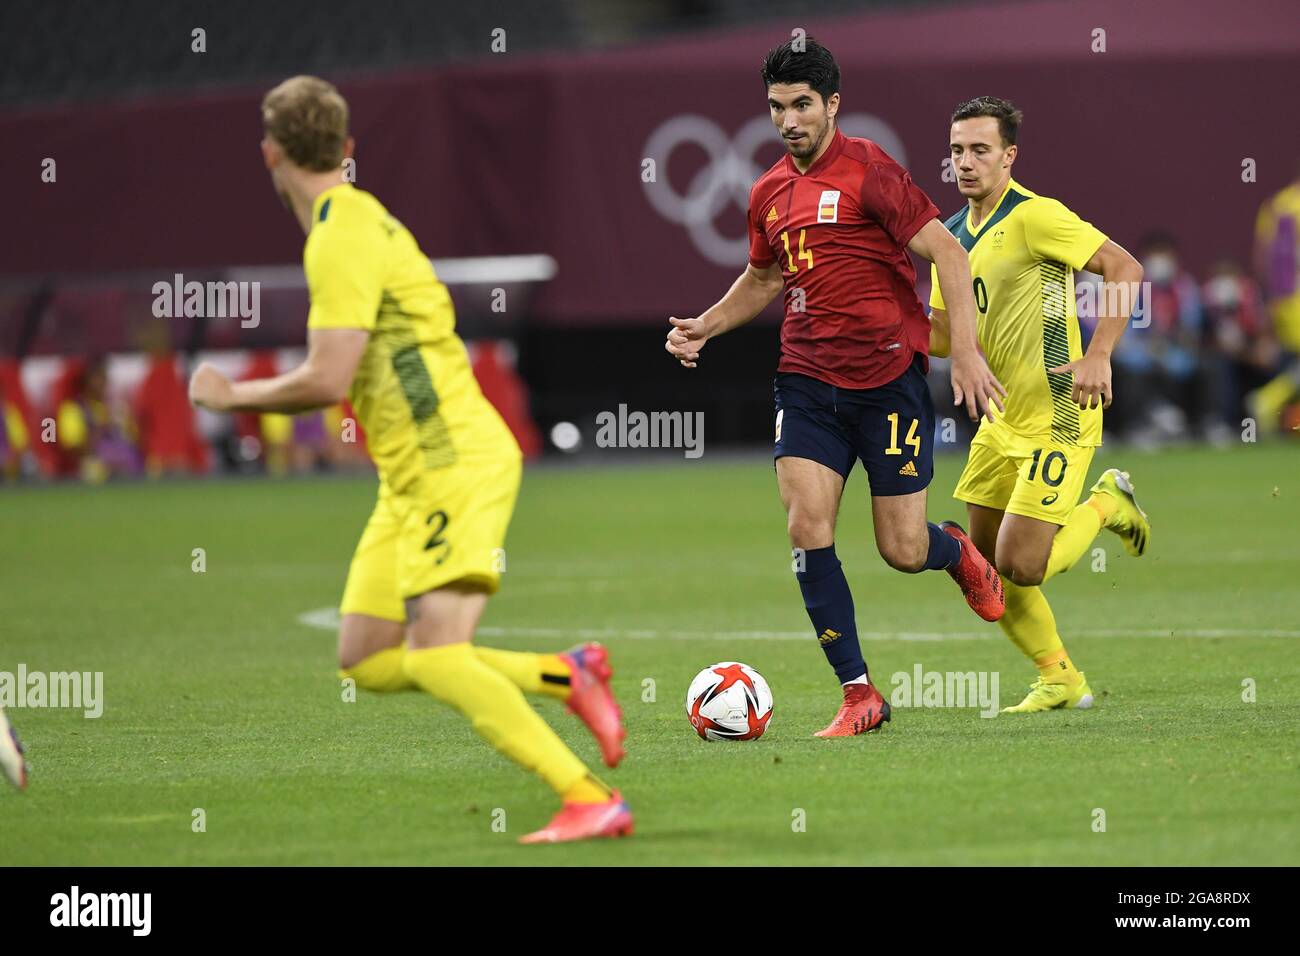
[381,671]
[532,673]
[1031,625]
[497,709]
[1057,668]
[588,790]
[1029,622]
[1079,530]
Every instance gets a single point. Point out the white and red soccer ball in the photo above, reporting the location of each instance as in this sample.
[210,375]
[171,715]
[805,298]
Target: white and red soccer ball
[729,701]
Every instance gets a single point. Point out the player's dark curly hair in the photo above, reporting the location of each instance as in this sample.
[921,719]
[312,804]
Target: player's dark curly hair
[1004,111]
[801,59]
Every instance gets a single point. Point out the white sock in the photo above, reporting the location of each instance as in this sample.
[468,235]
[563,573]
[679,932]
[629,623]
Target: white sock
[858,680]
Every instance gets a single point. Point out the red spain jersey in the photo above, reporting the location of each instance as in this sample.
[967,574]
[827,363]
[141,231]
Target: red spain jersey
[839,232]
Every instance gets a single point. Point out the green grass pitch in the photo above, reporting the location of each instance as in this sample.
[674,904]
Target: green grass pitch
[219,697]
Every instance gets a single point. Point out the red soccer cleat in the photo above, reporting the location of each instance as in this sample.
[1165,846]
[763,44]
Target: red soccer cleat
[863,711]
[591,699]
[978,579]
[586,821]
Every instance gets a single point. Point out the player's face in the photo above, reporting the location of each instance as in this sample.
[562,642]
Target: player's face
[802,117]
[979,159]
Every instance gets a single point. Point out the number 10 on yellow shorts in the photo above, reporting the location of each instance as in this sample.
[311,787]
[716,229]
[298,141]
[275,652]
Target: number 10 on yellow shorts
[1043,480]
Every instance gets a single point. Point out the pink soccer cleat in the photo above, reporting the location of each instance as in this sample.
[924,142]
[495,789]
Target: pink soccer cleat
[586,821]
[591,699]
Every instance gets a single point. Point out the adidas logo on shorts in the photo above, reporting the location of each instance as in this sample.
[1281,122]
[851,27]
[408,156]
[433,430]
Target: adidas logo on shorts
[909,469]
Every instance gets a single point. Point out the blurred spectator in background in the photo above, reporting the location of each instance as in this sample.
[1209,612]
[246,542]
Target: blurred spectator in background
[1277,262]
[494,365]
[309,444]
[263,439]
[168,437]
[1244,351]
[21,450]
[93,435]
[295,444]
[1159,380]
[13,440]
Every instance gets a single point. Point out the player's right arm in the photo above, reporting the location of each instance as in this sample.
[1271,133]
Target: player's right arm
[344,267]
[749,295]
[758,285]
[1055,233]
[322,380]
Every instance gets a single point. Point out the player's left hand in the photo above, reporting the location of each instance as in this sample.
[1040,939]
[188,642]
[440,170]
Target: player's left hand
[1092,386]
[209,388]
[975,386]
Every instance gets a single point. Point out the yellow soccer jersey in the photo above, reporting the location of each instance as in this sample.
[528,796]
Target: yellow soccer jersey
[1022,261]
[1277,235]
[414,391]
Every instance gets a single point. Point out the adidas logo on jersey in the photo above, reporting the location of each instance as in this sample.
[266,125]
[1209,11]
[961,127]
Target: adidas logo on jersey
[771,213]
[909,469]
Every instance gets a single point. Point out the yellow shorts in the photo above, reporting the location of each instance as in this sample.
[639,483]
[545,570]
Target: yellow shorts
[1038,480]
[448,527]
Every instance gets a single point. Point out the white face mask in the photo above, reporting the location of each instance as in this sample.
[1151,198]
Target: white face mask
[1223,293]
[1160,267]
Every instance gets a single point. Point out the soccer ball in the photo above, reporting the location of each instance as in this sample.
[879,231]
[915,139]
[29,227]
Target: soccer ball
[729,701]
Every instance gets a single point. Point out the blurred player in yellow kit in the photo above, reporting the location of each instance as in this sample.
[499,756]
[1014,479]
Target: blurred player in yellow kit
[1277,262]
[381,333]
[1027,468]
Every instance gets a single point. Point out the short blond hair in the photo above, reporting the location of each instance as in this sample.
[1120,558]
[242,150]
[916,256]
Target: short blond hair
[309,119]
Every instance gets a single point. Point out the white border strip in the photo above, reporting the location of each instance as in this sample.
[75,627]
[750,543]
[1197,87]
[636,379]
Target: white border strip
[464,271]
[327,618]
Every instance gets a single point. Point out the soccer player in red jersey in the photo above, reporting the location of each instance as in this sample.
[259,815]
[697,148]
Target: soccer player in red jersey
[832,223]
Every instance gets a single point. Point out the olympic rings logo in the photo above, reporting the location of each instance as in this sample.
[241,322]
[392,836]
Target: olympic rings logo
[729,174]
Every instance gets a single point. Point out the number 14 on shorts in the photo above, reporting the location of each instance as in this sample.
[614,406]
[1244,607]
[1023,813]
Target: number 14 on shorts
[913,440]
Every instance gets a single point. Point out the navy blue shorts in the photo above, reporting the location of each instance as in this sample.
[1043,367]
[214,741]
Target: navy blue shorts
[890,428]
